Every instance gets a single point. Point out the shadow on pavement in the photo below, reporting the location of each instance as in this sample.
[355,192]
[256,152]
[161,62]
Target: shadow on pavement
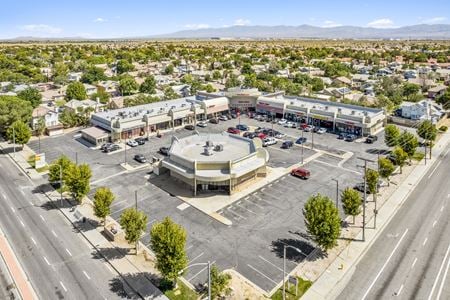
[110,253]
[305,247]
[120,286]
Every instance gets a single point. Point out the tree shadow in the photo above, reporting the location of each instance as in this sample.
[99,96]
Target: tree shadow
[85,224]
[136,285]
[378,151]
[10,149]
[110,253]
[305,247]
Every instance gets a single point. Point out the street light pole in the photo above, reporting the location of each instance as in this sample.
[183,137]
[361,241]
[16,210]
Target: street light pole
[135,200]
[284,266]
[302,145]
[365,196]
[337,191]
[60,185]
[208,264]
[14,140]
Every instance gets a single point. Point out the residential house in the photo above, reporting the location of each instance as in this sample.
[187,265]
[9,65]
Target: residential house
[74,76]
[51,120]
[423,110]
[82,105]
[437,91]
[342,81]
[109,86]
[183,90]
[359,79]
[90,89]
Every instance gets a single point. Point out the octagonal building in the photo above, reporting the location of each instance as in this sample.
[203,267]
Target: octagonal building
[215,162]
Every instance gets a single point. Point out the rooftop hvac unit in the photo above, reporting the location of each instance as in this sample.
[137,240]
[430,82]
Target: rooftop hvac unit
[207,151]
[218,148]
[353,112]
[209,144]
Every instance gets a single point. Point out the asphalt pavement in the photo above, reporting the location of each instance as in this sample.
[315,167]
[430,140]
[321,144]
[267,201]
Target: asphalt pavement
[411,257]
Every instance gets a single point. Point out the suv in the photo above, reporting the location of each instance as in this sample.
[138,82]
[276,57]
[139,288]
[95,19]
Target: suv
[140,140]
[371,139]
[202,124]
[111,148]
[140,158]
[287,144]
[106,145]
[300,140]
[164,151]
[321,130]
[242,127]
[269,141]
[214,121]
[132,143]
[282,122]
[300,172]
[350,137]
[189,127]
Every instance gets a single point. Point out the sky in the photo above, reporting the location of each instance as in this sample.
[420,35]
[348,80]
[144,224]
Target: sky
[134,18]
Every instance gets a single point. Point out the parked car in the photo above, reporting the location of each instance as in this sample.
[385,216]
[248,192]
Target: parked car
[308,128]
[214,121]
[269,141]
[111,148]
[132,143]
[140,140]
[223,118]
[287,144]
[233,130]
[303,126]
[242,127]
[106,145]
[321,130]
[341,136]
[164,150]
[202,124]
[300,140]
[300,172]
[282,122]
[289,124]
[140,158]
[234,115]
[279,135]
[371,139]
[249,134]
[350,137]
[360,186]
[189,127]
[261,135]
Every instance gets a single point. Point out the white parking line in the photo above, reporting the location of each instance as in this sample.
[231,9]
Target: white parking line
[442,208]
[198,256]
[250,211]
[270,263]
[86,274]
[434,169]
[236,214]
[54,233]
[45,258]
[62,285]
[21,191]
[434,223]
[67,250]
[34,242]
[13,210]
[4,196]
[334,166]
[425,241]
[261,273]
[21,223]
[199,272]
[414,263]
[399,290]
[189,247]
[42,218]
[253,203]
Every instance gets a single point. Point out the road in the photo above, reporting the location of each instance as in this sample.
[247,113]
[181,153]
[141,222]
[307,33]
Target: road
[411,257]
[58,261]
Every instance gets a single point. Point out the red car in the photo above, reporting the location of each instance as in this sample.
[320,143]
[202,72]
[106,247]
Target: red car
[303,126]
[300,172]
[233,130]
[261,135]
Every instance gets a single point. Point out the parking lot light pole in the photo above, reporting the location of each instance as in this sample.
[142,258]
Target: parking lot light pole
[365,196]
[337,191]
[14,140]
[302,146]
[284,266]
[135,200]
[208,264]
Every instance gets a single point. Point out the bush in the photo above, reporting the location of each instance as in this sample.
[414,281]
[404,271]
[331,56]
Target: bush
[443,128]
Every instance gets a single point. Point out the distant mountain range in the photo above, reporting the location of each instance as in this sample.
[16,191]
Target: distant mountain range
[422,31]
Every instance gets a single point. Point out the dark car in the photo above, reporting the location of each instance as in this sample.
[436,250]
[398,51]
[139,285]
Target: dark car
[234,115]
[214,121]
[360,187]
[287,144]
[249,135]
[140,158]
[300,140]
[371,139]
[164,151]
[189,127]
[350,137]
[341,136]
[140,140]
[111,148]
[233,130]
[242,127]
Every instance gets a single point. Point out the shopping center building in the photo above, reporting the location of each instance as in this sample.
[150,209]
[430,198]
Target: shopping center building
[215,162]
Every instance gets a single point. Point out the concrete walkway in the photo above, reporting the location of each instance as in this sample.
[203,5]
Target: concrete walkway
[335,276]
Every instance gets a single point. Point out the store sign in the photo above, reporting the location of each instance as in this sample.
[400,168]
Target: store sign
[39,161]
[319,117]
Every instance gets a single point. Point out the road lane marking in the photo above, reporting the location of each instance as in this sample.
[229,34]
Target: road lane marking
[21,223]
[46,260]
[444,277]
[414,263]
[198,256]
[261,273]
[62,285]
[54,233]
[67,250]
[437,165]
[434,223]
[13,210]
[442,208]
[21,191]
[399,290]
[86,274]
[425,241]
[42,218]
[34,242]
[385,264]
[439,274]
[270,263]
[4,196]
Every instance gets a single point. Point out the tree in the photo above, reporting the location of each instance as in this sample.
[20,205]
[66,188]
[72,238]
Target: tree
[372,177]
[92,75]
[13,109]
[102,203]
[408,142]
[351,202]
[233,81]
[53,171]
[148,86]
[168,70]
[40,126]
[102,96]
[322,221]
[386,168]
[31,95]
[410,89]
[247,69]
[169,93]
[19,132]
[400,157]
[428,131]
[76,90]
[168,241]
[220,283]
[123,66]
[134,223]
[391,135]
[127,85]
[77,181]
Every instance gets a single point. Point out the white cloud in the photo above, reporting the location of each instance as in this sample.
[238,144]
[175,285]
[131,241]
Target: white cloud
[196,26]
[99,20]
[329,24]
[381,23]
[241,22]
[434,20]
[41,28]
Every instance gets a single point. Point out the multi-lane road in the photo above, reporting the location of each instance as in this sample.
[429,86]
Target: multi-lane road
[58,261]
[411,257]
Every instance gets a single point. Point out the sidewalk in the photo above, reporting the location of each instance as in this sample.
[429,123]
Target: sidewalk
[334,278]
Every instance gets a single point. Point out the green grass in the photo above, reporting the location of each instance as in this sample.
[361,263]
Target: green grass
[182,292]
[303,286]
[418,156]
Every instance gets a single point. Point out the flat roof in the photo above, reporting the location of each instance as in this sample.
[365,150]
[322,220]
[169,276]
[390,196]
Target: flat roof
[193,147]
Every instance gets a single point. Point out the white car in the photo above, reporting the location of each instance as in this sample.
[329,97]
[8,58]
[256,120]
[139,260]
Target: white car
[280,135]
[269,141]
[132,143]
[282,122]
[202,124]
[289,124]
[223,118]
[321,130]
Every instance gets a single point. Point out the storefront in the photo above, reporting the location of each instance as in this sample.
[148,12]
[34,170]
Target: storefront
[271,106]
[296,116]
[349,127]
[321,121]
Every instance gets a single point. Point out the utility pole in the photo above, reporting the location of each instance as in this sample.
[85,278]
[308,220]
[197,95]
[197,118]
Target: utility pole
[76,158]
[365,196]
[135,200]
[425,156]
[209,280]
[337,192]
[14,140]
[302,146]
[125,147]
[60,185]
[312,138]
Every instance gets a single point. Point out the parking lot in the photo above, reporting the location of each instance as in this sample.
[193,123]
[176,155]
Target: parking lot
[262,221]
